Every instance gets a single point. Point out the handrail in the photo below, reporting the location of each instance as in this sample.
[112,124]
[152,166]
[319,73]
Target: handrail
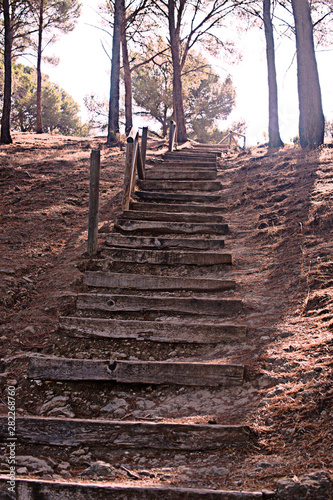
[230,136]
[172,136]
[135,163]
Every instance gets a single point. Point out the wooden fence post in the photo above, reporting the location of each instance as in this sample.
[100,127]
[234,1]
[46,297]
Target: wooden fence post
[171,135]
[144,145]
[93,201]
[128,175]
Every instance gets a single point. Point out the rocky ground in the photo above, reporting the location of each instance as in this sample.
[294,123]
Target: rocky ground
[279,207]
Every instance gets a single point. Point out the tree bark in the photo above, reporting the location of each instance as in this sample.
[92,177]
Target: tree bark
[113,121]
[273,120]
[311,117]
[128,84]
[5,119]
[39,129]
[178,109]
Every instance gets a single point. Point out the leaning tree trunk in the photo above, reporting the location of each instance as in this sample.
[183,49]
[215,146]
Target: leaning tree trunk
[178,109]
[273,119]
[113,121]
[7,94]
[39,128]
[311,117]
[128,84]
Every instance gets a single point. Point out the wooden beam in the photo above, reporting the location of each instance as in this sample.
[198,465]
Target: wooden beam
[155,331]
[157,215]
[166,257]
[178,305]
[34,488]
[180,185]
[177,197]
[110,434]
[136,372]
[157,174]
[101,279]
[119,240]
[130,226]
[176,207]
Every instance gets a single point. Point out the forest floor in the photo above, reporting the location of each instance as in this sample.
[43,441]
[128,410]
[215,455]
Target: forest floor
[281,221]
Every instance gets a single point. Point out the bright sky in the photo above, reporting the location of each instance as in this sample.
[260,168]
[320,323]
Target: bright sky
[85,68]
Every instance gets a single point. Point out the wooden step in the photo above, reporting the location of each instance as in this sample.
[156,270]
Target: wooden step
[157,243]
[191,153]
[139,303]
[157,331]
[190,159]
[180,185]
[155,227]
[208,147]
[166,257]
[177,197]
[147,282]
[110,434]
[172,217]
[136,372]
[182,174]
[33,489]
[176,207]
[179,166]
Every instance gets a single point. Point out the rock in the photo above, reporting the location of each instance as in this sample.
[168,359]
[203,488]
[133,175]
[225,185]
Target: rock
[33,464]
[78,452]
[65,474]
[99,468]
[21,470]
[58,401]
[315,486]
[263,465]
[64,411]
[144,404]
[115,404]
[29,329]
[218,471]
[64,465]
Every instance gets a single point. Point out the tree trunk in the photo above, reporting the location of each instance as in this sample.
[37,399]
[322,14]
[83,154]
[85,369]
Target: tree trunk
[273,120]
[178,109]
[39,129]
[128,84]
[7,94]
[311,117]
[113,122]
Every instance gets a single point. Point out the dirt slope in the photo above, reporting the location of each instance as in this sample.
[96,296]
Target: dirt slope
[279,207]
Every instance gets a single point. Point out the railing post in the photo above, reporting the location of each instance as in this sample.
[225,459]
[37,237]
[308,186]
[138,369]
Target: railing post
[128,176]
[144,146]
[139,162]
[171,135]
[93,201]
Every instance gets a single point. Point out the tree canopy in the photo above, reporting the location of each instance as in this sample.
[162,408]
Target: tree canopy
[206,98]
[59,110]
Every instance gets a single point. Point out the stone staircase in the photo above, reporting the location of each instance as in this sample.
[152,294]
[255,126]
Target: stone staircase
[132,371]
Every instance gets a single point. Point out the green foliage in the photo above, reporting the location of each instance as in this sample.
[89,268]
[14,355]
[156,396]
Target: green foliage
[97,112]
[209,101]
[152,91]
[206,98]
[59,110]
